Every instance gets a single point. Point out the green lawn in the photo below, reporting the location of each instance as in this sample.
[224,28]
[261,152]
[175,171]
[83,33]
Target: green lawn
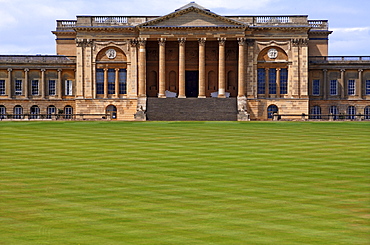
[185,183]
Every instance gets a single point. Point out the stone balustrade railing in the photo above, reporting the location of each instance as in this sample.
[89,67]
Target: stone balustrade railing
[339,59]
[47,59]
[294,20]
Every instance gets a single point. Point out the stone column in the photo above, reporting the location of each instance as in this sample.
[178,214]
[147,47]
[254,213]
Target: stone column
[105,83]
[325,86]
[342,83]
[221,67]
[142,67]
[162,67]
[26,84]
[361,86]
[42,85]
[182,68]
[60,82]
[116,86]
[241,65]
[202,68]
[8,85]
[277,82]
[267,82]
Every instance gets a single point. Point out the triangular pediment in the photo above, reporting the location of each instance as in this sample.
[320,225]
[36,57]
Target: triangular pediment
[192,17]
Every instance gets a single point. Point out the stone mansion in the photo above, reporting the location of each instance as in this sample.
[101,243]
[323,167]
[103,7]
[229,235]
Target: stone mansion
[191,64]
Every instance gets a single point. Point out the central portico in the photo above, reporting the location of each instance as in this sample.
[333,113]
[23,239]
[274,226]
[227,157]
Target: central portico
[192,52]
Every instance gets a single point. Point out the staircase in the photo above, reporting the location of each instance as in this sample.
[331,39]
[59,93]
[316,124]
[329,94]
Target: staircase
[191,109]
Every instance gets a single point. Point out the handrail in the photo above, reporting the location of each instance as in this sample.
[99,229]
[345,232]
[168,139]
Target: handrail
[30,116]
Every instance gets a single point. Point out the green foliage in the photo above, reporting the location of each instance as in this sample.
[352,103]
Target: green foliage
[184,183]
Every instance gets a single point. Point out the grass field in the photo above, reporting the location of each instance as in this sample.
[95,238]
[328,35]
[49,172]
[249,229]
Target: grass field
[185,183]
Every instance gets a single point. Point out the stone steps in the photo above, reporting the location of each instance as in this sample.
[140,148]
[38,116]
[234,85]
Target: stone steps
[191,109]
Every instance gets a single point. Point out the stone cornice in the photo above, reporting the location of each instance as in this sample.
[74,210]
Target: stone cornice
[105,28]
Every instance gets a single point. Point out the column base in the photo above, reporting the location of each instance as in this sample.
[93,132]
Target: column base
[221,96]
[161,96]
[202,96]
[181,97]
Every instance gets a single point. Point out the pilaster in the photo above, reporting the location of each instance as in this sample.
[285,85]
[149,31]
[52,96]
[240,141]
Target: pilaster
[26,84]
[8,85]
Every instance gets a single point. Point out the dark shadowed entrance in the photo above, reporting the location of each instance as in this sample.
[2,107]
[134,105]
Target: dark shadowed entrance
[191,83]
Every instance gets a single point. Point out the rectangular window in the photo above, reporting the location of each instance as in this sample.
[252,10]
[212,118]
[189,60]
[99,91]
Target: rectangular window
[99,81]
[367,89]
[68,87]
[351,87]
[123,81]
[2,87]
[284,81]
[333,87]
[111,81]
[261,76]
[35,87]
[51,87]
[272,81]
[18,87]
[316,87]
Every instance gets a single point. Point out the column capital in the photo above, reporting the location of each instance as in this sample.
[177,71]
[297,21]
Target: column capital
[325,70]
[342,70]
[141,41]
[202,41]
[10,69]
[221,41]
[241,41]
[133,42]
[162,41]
[43,70]
[360,70]
[60,70]
[182,41]
[26,70]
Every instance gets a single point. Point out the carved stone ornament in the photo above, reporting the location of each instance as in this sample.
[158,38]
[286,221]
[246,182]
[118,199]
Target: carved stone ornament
[111,53]
[272,53]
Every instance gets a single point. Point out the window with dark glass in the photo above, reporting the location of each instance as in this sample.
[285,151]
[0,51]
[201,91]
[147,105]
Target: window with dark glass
[316,112]
[51,87]
[2,112]
[2,87]
[18,87]
[35,87]
[351,111]
[123,81]
[351,87]
[261,76]
[99,81]
[18,112]
[367,112]
[316,87]
[272,81]
[333,87]
[367,89]
[111,81]
[333,110]
[283,81]
[51,110]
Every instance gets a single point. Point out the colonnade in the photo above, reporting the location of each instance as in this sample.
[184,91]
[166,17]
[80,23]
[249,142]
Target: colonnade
[202,67]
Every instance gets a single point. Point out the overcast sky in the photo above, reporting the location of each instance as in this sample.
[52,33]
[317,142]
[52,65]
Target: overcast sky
[26,25]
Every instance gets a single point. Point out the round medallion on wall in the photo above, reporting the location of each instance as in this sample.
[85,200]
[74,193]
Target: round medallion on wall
[272,53]
[111,53]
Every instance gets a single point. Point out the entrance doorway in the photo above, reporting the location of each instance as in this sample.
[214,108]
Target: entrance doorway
[112,111]
[191,83]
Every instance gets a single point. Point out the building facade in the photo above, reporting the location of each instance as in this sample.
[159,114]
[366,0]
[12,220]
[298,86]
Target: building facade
[113,64]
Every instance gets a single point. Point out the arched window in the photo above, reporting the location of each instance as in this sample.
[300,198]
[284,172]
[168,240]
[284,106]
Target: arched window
[271,110]
[51,110]
[68,111]
[2,112]
[351,111]
[333,110]
[112,111]
[316,112]
[18,112]
[367,112]
[272,72]
[35,112]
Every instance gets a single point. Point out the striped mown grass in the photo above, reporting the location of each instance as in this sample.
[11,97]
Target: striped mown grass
[184,183]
